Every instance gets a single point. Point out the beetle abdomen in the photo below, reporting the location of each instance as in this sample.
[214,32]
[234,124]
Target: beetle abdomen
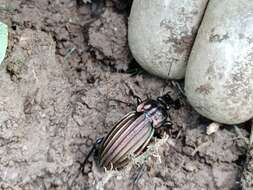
[130,136]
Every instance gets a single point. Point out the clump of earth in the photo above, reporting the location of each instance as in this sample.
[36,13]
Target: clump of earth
[66,81]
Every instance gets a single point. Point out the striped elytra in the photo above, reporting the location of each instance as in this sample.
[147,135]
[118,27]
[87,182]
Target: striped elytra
[131,135]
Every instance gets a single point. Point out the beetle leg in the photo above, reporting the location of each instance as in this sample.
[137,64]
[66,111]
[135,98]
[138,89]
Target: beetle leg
[138,176]
[167,123]
[93,149]
[120,101]
[138,99]
[177,104]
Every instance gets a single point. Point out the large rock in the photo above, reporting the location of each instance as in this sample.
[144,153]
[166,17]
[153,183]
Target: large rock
[219,76]
[161,34]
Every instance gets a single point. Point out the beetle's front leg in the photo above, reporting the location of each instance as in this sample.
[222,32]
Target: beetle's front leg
[167,124]
[93,149]
[138,99]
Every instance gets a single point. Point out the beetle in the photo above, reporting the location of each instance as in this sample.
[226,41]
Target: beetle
[132,134]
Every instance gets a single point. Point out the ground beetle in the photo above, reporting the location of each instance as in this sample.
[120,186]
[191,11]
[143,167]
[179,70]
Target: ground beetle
[131,135]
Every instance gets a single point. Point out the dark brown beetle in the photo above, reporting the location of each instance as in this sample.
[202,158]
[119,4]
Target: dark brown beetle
[131,135]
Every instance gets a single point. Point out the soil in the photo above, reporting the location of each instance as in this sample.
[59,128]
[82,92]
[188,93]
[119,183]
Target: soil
[65,82]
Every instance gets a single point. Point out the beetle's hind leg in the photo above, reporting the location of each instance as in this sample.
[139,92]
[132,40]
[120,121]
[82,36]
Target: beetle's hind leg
[137,177]
[93,149]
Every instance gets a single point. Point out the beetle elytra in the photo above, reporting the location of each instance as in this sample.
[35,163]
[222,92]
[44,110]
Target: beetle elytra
[131,135]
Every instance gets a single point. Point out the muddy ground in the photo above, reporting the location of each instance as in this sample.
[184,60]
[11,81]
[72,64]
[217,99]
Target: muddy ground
[67,78]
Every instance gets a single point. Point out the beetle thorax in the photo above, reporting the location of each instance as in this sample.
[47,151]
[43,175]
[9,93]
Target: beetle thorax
[156,116]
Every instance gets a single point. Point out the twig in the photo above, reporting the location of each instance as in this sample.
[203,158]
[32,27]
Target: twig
[200,147]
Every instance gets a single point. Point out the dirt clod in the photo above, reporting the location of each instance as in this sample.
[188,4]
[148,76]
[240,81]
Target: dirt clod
[108,39]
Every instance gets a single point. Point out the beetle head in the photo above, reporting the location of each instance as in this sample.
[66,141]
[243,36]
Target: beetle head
[168,102]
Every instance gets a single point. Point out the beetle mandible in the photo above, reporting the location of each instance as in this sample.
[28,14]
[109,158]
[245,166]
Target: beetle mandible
[131,135]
